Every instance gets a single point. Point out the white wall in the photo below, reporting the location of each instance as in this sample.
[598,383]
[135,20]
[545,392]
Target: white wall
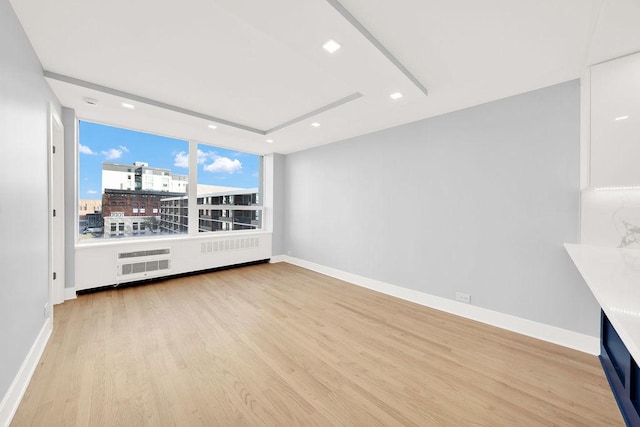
[24,104]
[96,263]
[479,201]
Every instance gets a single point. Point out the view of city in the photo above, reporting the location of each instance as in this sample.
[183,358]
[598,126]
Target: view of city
[136,184]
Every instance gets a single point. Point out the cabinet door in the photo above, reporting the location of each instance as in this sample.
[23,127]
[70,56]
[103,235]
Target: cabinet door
[615,123]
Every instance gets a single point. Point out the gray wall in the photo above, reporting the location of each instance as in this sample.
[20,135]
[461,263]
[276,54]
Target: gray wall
[24,104]
[478,201]
[277,242]
[71,219]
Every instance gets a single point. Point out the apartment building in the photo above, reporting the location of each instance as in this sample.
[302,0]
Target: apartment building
[140,176]
[220,211]
[129,213]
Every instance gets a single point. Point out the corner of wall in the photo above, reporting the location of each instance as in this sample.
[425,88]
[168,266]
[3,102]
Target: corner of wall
[278,206]
[70,124]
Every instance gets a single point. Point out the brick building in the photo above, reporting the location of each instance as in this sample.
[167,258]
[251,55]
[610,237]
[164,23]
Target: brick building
[133,203]
[132,212]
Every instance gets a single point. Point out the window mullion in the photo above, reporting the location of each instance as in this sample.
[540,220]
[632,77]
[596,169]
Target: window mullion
[193,188]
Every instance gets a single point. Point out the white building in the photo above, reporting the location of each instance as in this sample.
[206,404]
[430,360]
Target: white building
[139,176]
[223,210]
[128,226]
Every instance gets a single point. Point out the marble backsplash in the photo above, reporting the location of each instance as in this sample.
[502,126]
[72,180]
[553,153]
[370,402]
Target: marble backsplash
[611,218]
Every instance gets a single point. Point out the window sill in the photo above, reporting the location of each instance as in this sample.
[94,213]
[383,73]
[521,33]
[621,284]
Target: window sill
[119,241]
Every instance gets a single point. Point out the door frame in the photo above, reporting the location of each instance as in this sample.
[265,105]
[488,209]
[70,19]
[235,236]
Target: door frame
[55,164]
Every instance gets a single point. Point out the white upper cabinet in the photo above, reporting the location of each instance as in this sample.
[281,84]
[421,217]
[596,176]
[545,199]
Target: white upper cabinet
[615,123]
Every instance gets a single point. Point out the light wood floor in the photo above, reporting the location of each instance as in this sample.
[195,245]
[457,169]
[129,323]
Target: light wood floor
[280,345]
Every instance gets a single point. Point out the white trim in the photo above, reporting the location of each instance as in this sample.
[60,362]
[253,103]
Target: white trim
[193,218]
[280,258]
[541,331]
[69,293]
[12,398]
[55,200]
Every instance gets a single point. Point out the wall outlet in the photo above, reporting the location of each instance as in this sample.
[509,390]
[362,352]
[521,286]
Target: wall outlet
[462,297]
[289,253]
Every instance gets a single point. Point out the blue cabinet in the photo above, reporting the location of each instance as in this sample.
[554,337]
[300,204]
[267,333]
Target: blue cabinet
[622,372]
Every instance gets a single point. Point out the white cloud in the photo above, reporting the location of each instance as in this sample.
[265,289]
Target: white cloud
[123,148]
[224,164]
[204,156]
[181,160]
[92,192]
[85,150]
[113,153]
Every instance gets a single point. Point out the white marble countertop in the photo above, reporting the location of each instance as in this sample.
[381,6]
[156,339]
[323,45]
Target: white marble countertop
[613,275]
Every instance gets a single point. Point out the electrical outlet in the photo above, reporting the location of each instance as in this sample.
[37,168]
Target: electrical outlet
[289,253]
[462,297]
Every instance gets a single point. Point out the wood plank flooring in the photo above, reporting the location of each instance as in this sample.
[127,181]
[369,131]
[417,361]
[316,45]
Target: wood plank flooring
[275,344]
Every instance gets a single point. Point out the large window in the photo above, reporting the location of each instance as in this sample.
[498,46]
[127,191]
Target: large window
[228,190]
[135,184]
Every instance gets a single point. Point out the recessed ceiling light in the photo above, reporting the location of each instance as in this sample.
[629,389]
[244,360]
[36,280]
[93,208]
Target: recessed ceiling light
[212,126]
[129,106]
[395,95]
[331,46]
[315,124]
[622,117]
[90,101]
[270,141]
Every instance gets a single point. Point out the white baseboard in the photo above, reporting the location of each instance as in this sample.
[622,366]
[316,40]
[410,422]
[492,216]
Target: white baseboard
[70,293]
[12,398]
[278,258]
[552,334]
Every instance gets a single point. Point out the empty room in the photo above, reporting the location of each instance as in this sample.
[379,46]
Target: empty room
[328,212]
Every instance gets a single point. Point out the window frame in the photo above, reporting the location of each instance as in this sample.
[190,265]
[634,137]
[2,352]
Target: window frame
[145,233]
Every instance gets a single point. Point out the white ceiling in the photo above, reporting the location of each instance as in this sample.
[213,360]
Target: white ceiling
[260,63]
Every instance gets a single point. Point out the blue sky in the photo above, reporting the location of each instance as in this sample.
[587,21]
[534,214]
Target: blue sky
[216,166]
